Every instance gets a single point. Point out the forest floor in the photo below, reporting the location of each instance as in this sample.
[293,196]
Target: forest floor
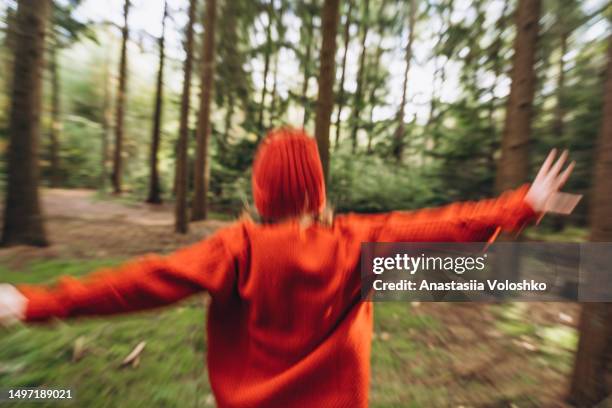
[423,354]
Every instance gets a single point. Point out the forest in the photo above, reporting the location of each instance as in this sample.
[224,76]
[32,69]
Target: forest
[130,126]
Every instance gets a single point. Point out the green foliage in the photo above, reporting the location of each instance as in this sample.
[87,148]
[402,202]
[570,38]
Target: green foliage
[452,156]
[355,185]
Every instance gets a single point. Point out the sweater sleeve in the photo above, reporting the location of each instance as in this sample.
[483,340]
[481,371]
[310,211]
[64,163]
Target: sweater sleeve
[457,222]
[152,281]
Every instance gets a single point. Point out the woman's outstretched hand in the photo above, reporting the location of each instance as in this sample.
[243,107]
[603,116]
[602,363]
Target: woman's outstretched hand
[544,195]
[12,305]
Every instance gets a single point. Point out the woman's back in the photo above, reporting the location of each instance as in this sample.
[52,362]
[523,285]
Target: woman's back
[294,332]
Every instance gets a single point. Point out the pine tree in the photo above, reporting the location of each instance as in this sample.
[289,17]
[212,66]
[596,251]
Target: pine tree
[398,137]
[181,224]
[591,381]
[325,99]
[513,166]
[120,107]
[202,166]
[23,219]
[154,196]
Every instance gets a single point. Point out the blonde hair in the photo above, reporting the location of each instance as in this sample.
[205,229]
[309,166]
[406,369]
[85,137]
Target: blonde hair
[325,217]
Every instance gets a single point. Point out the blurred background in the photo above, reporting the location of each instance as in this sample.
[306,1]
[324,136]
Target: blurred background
[129,127]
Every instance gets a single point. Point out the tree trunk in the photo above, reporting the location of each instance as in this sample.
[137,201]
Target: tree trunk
[273,108]
[264,90]
[592,377]
[358,92]
[513,166]
[229,114]
[439,78]
[374,87]
[558,125]
[120,112]
[347,39]
[154,188]
[325,99]
[23,219]
[201,170]
[398,137]
[181,224]
[56,124]
[307,58]
[106,123]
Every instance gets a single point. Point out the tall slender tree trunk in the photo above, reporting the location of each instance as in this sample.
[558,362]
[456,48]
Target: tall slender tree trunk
[56,124]
[273,108]
[358,103]
[325,99]
[120,108]
[592,377]
[181,223]
[23,218]
[106,123]
[347,39]
[513,166]
[201,169]
[264,90]
[154,196]
[500,26]
[374,87]
[229,114]
[307,58]
[439,78]
[398,137]
[558,125]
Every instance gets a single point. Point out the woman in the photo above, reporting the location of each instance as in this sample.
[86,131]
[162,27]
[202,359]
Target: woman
[286,324]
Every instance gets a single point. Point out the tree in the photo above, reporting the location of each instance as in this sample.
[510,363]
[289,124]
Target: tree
[181,224]
[398,137]
[55,117]
[325,99]
[201,170]
[120,108]
[307,35]
[347,32]
[154,189]
[358,100]
[267,51]
[513,166]
[23,219]
[66,30]
[591,380]
[106,120]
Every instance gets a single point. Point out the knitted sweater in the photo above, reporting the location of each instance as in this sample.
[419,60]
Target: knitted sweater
[286,324]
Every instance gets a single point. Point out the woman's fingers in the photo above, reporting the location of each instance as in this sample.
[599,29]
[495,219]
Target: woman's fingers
[556,168]
[564,176]
[546,165]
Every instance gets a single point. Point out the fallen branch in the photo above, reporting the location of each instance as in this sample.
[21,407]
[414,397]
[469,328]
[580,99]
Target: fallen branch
[134,357]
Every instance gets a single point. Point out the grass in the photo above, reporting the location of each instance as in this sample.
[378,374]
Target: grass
[172,371]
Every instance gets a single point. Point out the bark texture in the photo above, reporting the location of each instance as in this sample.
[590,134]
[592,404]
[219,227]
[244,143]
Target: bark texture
[154,196]
[120,108]
[201,170]
[592,377]
[23,219]
[325,99]
[181,224]
[513,166]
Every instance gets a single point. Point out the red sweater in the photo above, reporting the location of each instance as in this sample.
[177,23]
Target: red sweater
[286,327]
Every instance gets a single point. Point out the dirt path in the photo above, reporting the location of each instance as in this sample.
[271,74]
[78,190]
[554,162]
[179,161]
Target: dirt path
[82,225]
